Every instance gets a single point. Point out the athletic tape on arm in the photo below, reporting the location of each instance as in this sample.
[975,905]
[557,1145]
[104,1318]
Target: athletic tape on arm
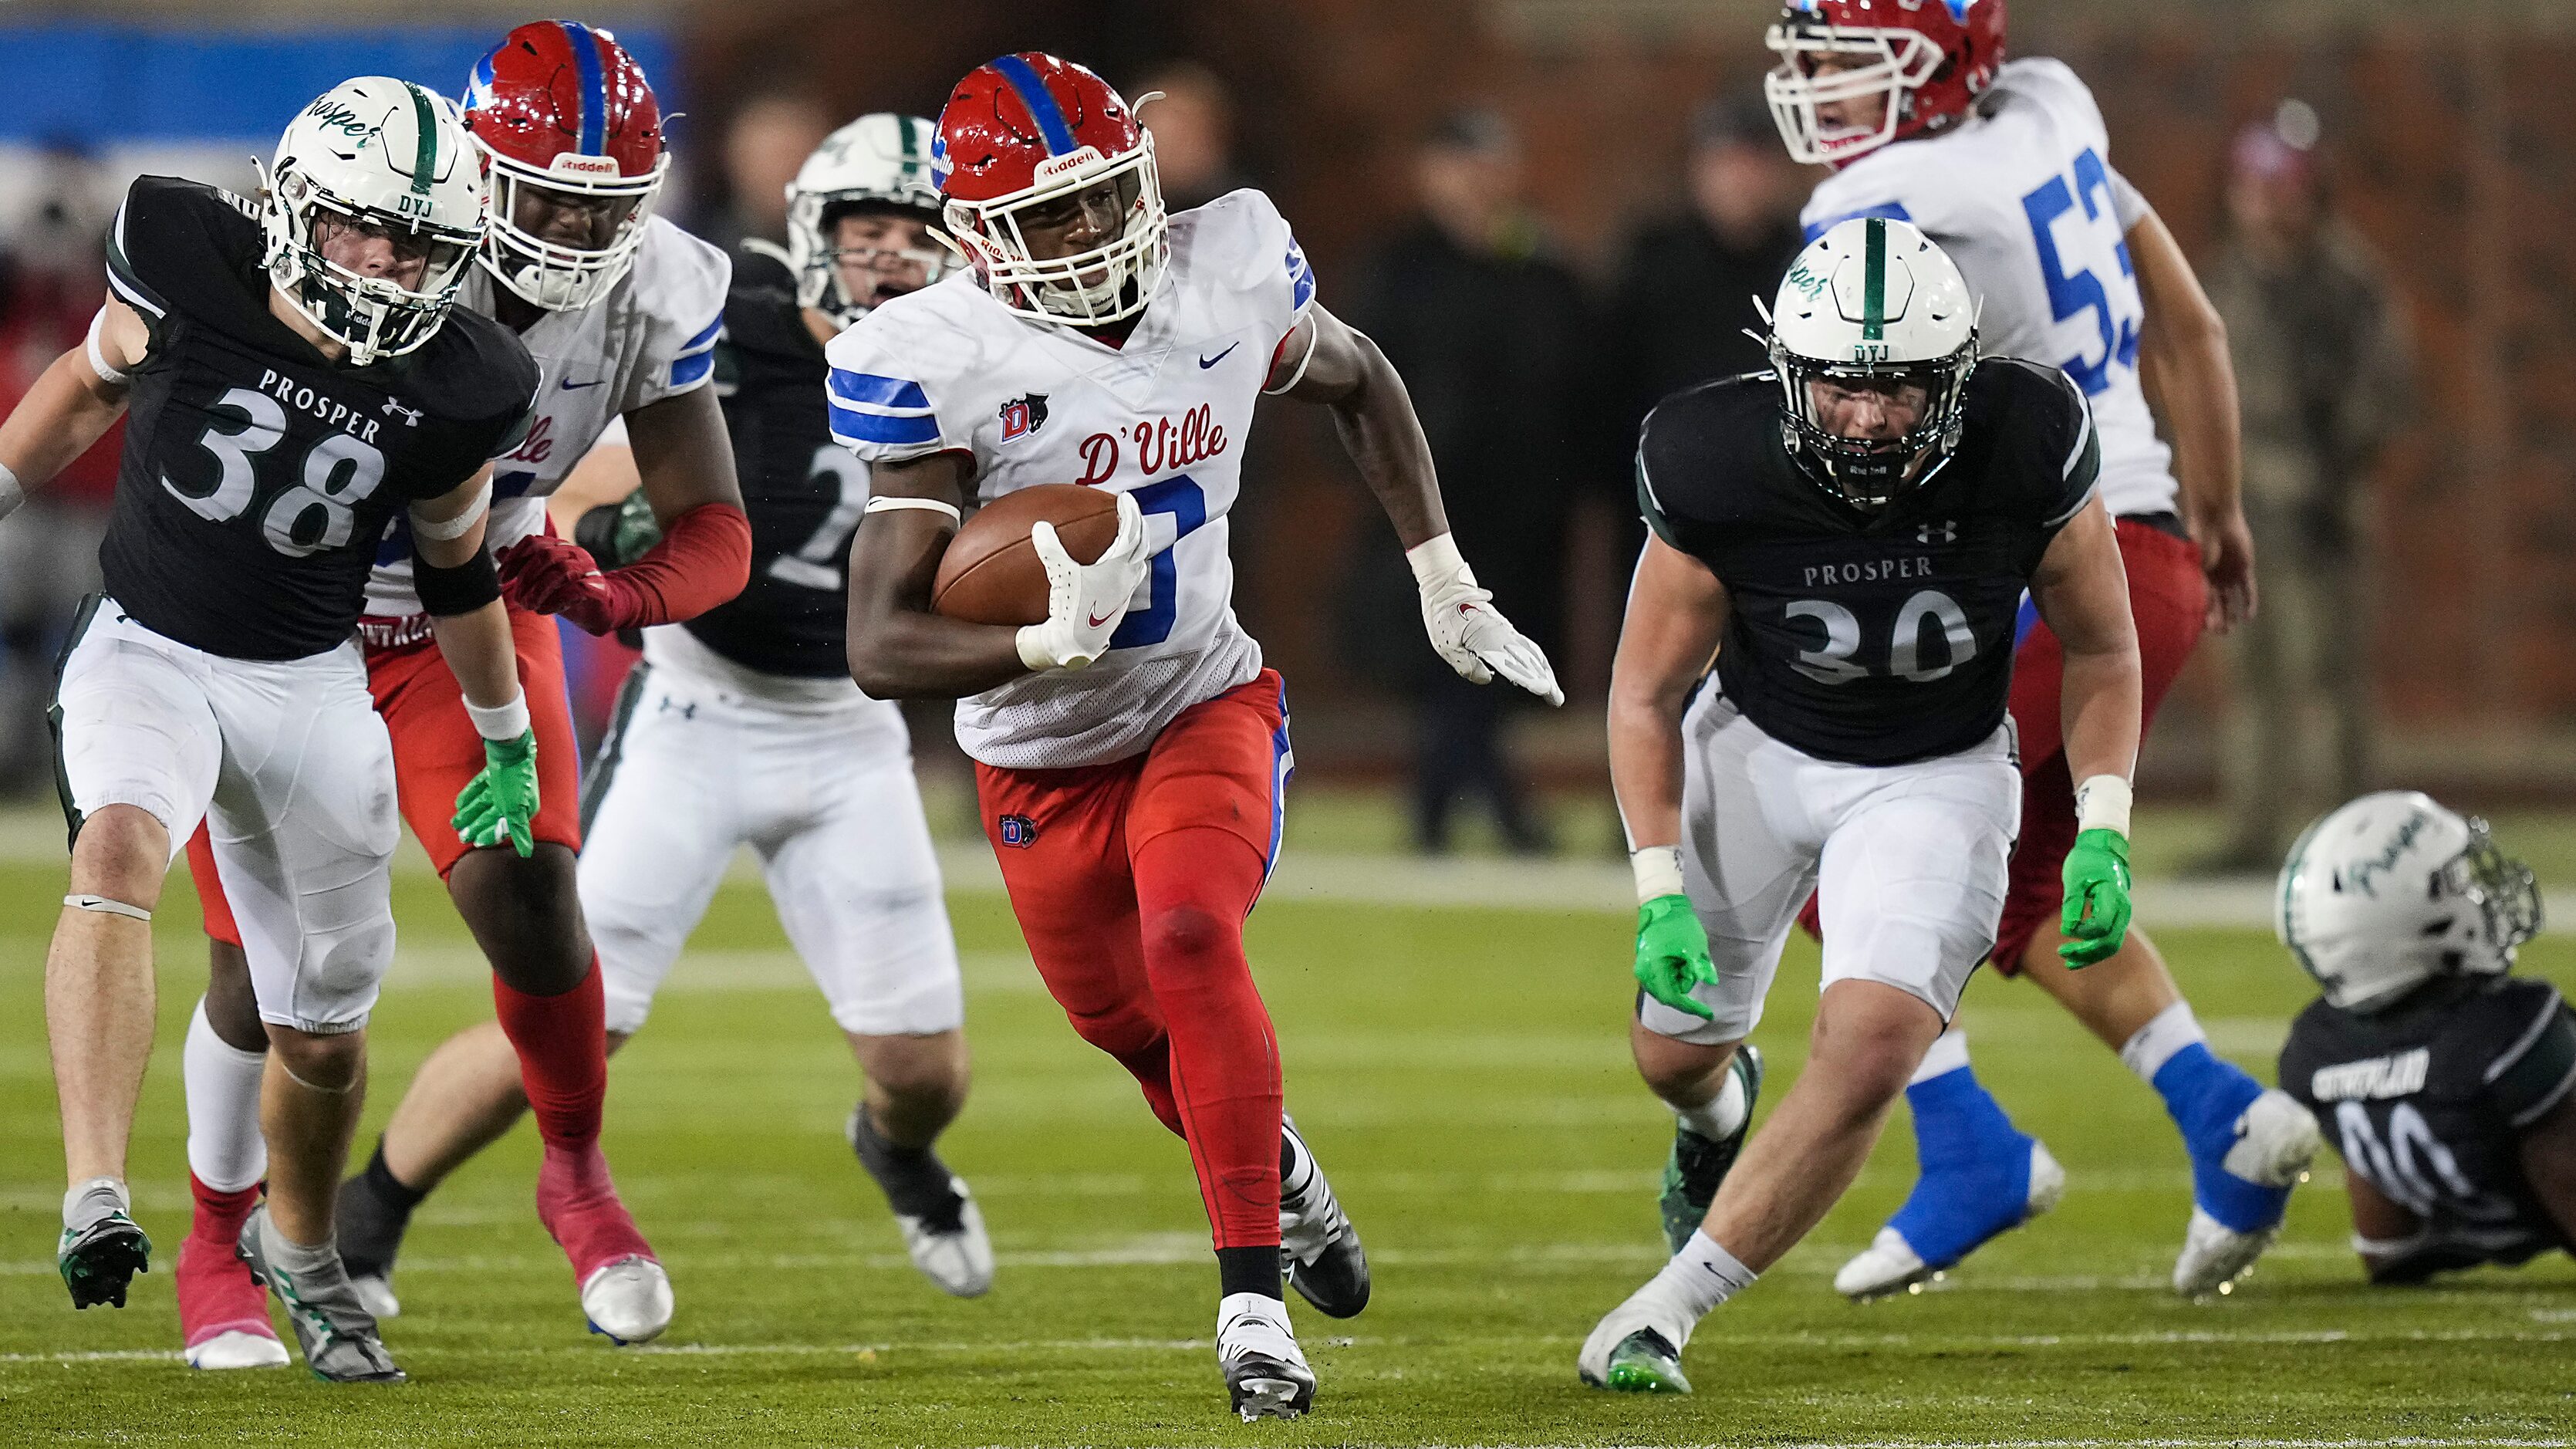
[458,526]
[926,505]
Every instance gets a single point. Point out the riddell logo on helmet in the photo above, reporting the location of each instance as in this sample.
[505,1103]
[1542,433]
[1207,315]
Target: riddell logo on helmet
[573,163]
[1055,166]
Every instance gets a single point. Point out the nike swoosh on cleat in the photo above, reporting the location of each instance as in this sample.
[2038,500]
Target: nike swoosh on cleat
[1208,362]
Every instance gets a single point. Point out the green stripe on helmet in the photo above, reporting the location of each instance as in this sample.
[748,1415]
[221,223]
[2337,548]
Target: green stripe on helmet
[1873,281]
[424,164]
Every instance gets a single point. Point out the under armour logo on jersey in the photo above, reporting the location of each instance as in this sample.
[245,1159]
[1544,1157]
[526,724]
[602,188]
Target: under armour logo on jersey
[1946,531]
[687,711]
[1022,416]
[1016,831]
[411,416]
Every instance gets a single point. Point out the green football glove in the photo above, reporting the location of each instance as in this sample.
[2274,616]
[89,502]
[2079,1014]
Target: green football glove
[1672,953]
[2097,897]
[499,803]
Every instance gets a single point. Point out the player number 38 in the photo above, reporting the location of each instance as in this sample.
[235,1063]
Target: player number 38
[314,515]
[1836,663]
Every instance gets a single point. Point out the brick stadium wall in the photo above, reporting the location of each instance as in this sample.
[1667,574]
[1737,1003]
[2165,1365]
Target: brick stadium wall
[2452,156]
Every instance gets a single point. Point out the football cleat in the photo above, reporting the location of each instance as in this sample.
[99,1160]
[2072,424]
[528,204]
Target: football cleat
[98,1261]
[370,1231]
[377,1293]
[624,1292]
[1319,1250]
[1636,1348]
[1266,1377]
[223,1311]
[1697,1165]
[947,1242]
[628,1301]
[1892,1264]
[2240,1191]
[333,1328]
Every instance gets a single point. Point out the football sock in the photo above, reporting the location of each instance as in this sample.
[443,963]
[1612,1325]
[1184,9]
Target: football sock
[1248,1270]
[1974,1167]
[1948,1053]
[88,1202]
[916,1183]
[1720,1116]
[2151,1046]
[562,1043]
[1193,889]
[225,1150]
[1703,1275]
[373,1212]
[2206,1095]
[219,1213]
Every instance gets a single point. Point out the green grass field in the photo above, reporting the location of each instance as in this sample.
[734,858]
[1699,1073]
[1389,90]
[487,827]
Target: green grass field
[1464,1076]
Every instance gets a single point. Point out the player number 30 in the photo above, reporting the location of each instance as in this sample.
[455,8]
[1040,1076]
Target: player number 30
[1836,662]
[316,514]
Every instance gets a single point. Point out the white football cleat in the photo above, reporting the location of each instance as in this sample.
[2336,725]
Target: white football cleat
[628,1301]
[2276,1139]
[237,1350]
[377,1293]
[960,1262]
[1890,1265]
[1266,1376]
[1637,1347]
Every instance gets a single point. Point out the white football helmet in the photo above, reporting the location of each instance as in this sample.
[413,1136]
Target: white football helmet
[375,154]
[2391,890]
[878,163]
[1873,306]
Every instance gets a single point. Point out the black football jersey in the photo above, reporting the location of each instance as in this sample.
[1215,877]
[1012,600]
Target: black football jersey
[258,476]
[804,492]
[2428,1100]
[1869,638]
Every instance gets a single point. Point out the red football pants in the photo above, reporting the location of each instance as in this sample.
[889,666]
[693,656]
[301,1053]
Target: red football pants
[2169,599]
[1131,881]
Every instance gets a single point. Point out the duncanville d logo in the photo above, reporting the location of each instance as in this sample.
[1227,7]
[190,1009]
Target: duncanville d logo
[1017,831]
[1022,416]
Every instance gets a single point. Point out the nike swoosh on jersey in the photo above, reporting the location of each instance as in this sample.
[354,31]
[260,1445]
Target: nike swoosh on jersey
[1099,620]
[1208,362]
[570,385]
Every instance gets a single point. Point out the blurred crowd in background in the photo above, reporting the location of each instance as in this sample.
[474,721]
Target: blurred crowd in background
[1531,352]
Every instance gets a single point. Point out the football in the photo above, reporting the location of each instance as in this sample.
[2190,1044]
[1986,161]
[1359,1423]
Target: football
[991,573]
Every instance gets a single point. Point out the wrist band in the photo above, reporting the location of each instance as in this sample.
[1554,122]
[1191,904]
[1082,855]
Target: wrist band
[1436,561]
[1658,869]
[458,526]
[501,722]
[926,505]
[2102,803]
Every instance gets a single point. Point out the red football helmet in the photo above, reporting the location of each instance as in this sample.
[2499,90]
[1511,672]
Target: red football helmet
[1926,61]
[563,108]
[1029,139]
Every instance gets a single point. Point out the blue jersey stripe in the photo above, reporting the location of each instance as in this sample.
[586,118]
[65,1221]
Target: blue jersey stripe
[706,335]
[876,391]
[852,427]
[1892,210]
[1033,94]
[688,370]
[593,86]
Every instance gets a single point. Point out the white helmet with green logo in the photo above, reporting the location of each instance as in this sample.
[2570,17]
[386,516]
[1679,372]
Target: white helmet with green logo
[2391,890]
[378,155]
[1873,305]
[876,164]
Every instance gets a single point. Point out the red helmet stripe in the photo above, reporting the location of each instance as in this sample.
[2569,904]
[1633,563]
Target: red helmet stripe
[1032,91]
[594,87]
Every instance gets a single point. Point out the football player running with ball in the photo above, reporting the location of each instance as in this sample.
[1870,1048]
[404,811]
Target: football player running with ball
[1131,750]
[2006,166]
[1850,534]
[2448,1084]
[620,310]
[742,727]
[296,376]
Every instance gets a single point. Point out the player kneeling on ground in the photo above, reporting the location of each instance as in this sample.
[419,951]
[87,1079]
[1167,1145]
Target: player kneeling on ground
[741,726]
[2448,1085]
[1850,535]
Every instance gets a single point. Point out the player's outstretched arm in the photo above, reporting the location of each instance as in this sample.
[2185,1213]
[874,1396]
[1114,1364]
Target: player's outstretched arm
[2185,366]
[2082,590]
[898,647]
[461,589]
[74,402]
[684,462]
[1676,611]
[1325,360]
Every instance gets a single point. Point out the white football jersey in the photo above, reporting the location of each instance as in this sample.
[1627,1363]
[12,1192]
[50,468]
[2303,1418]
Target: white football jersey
[2023,197]
[948,369]
[653,336]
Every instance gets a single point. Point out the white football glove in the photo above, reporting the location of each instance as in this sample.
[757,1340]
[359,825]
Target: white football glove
[1085,601]
[1467,630]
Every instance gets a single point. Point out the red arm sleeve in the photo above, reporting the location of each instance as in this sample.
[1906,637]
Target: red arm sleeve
[703,560]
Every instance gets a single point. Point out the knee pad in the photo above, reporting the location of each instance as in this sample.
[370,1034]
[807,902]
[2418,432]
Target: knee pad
[1189,932]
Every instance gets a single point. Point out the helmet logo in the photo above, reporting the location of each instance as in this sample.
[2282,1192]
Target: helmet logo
[573,164]
[1055,166]
[338,117]
[2362,875]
